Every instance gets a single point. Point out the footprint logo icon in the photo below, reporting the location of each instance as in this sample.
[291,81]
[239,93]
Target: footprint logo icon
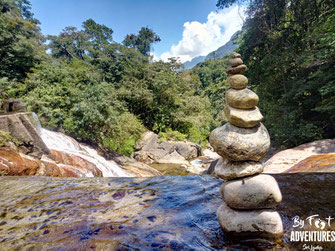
[320,224]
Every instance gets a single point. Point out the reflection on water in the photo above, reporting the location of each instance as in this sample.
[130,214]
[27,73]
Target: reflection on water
[168,213]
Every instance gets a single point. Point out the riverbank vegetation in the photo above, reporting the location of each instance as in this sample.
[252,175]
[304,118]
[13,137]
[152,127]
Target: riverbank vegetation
[83,83]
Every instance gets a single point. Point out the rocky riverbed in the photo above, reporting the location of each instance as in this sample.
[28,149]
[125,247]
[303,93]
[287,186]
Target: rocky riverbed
[176,213]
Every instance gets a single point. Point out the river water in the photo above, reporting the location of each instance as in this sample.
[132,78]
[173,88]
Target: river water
[160,213]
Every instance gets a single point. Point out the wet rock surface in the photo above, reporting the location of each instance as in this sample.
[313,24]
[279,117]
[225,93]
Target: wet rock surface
[171,213]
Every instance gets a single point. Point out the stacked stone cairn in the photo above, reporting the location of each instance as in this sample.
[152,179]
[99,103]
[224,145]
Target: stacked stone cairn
[249,197]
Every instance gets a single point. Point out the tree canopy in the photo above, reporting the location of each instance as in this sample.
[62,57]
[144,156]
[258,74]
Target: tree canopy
[21,43]
[290,51]
[142,42]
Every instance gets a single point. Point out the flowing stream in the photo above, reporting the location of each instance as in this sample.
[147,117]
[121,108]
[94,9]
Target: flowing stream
[159,213]
[63,143]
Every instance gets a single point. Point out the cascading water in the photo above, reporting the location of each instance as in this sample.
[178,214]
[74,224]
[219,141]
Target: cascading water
[63,143]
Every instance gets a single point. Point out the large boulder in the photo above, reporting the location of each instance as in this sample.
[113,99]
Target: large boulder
[172,158]
[21,126]
[187,149]
[149,140]
[315,163]
[286,159]
[240,144]
[150,150]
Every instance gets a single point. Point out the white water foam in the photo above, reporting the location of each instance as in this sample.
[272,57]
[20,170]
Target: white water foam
[63,143]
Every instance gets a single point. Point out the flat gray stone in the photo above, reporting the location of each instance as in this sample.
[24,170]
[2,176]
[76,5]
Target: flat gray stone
[255,192]
[255,224]
[240,144]
[241,99]
[228,170]
[245,118]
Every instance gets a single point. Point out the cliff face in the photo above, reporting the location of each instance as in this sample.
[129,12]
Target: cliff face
[21,126]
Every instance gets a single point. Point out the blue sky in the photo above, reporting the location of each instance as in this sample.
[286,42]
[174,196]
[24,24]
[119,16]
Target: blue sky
[188,28]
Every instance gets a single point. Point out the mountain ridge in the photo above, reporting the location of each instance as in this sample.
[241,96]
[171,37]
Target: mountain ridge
[222,51]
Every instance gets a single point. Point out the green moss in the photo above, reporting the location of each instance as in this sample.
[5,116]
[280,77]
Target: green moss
[7,137]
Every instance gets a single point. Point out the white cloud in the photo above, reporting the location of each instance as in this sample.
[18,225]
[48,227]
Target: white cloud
[154,56]
[199,39]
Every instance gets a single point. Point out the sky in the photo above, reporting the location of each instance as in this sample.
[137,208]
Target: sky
[187,28]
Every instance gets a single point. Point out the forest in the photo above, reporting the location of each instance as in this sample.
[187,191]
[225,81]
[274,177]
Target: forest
[83,83]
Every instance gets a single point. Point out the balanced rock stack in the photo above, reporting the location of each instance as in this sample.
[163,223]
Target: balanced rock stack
[242,142]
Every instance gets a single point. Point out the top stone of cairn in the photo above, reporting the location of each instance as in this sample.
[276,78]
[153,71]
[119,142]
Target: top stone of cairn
[236,64]
[235,55]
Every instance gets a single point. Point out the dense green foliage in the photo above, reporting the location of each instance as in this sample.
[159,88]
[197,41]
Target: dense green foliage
[212,75]
[20,40]
[142,42]
[289,47]
[106,93]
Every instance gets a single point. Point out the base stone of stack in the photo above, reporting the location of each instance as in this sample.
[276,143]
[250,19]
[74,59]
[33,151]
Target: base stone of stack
[240,144]
[243,118]
[254,192]
[242,99]
[255,224]
[228,170]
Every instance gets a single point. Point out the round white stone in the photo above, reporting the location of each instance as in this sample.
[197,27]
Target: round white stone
[253,192]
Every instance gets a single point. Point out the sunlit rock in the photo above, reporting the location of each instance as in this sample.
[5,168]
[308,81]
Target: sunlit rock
[228,170]
[245,118]
[240,144]
[237,81]
[241,99]
[237,70]
[253,192]
[241,225]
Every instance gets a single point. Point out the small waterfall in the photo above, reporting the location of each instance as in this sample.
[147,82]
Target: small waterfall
[63,143]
